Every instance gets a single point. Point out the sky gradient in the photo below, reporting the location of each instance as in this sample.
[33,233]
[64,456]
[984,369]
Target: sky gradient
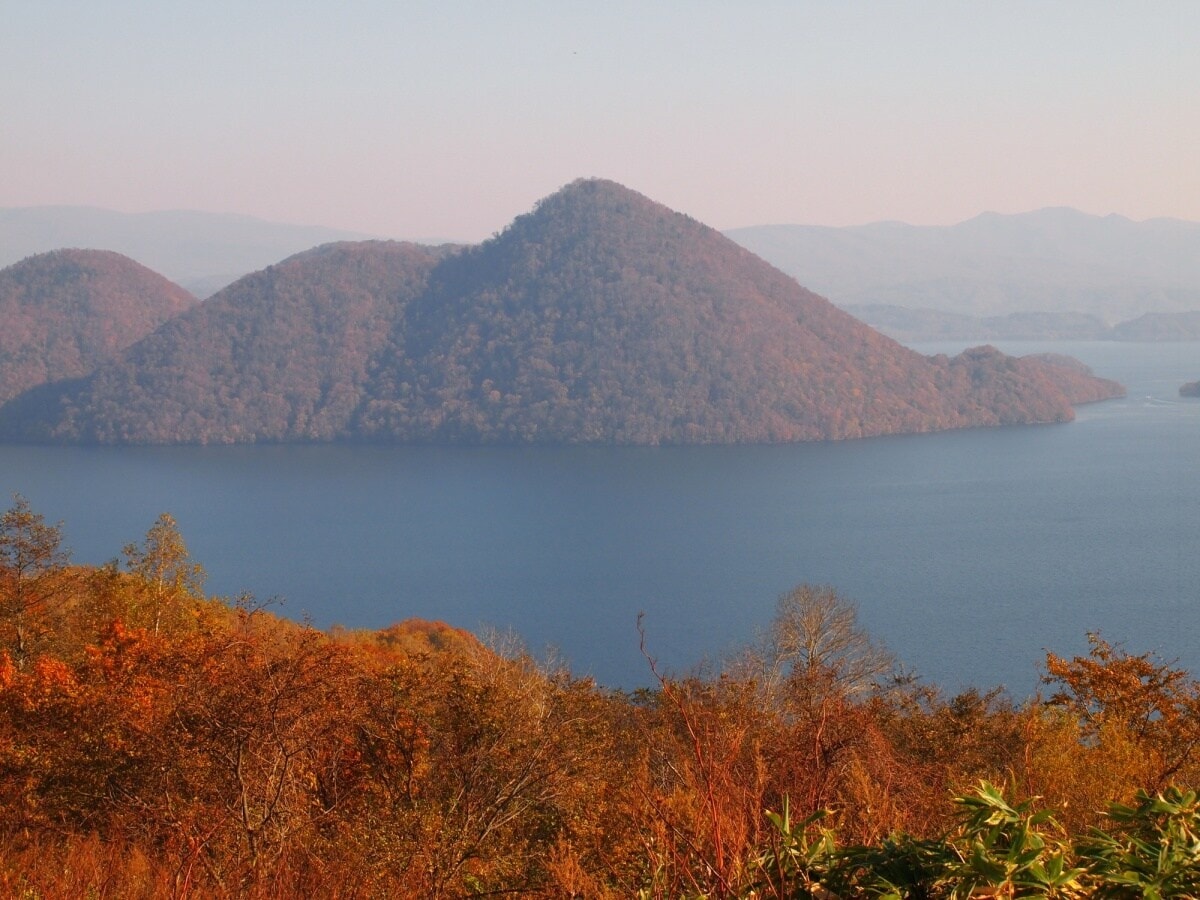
[446,119]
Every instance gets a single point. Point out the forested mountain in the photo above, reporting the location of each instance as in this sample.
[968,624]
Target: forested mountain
[280,355]
[601,316]
[63,313]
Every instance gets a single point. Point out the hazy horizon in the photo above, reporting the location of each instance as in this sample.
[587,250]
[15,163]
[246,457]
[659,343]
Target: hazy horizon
[438,239]
[449,119]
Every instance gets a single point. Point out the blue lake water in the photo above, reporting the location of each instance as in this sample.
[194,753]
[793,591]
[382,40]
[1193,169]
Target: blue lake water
[968,553]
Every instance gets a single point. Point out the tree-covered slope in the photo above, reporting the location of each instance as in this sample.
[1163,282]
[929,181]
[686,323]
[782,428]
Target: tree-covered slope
[601,316]
[280,355]
[63,313]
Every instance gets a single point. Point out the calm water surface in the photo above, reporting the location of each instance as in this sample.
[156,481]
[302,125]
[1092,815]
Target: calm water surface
[969,553]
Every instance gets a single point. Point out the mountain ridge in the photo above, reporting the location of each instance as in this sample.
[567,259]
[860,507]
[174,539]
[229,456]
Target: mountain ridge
[1054,260]
[917,325]
[880,263]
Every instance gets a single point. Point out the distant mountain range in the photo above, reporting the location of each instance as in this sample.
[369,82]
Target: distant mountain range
[1081,273]
[599,317]
[202,252]
[1052,274]
[915,325]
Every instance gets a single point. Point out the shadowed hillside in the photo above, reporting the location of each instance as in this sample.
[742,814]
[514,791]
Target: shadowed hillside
[601,316]
[65,312]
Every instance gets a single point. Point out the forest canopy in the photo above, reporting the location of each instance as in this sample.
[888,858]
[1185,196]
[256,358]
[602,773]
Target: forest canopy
[65,313]
[157,742]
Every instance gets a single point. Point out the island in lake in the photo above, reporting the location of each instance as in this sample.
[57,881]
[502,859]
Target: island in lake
[599,317]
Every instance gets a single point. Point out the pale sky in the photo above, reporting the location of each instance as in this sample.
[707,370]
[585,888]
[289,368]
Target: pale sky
[447,119]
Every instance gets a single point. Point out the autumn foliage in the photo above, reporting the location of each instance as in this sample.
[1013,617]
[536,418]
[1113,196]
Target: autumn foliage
[155,742]
[68,311]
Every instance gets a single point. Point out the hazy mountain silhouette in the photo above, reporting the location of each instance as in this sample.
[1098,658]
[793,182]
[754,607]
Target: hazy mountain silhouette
[1183,326]
[914,325]
[601,316]
[200,251]
[64,313]
[1049,261]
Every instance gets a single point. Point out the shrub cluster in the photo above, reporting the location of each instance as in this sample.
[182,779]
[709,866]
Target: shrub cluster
[155,742]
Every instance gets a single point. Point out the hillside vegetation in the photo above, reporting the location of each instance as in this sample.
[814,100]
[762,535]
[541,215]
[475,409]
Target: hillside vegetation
[601,316]
[65,312]
[155,742]
[283,355]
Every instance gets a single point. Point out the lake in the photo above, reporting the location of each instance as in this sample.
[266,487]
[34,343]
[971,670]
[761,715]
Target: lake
[968,553]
